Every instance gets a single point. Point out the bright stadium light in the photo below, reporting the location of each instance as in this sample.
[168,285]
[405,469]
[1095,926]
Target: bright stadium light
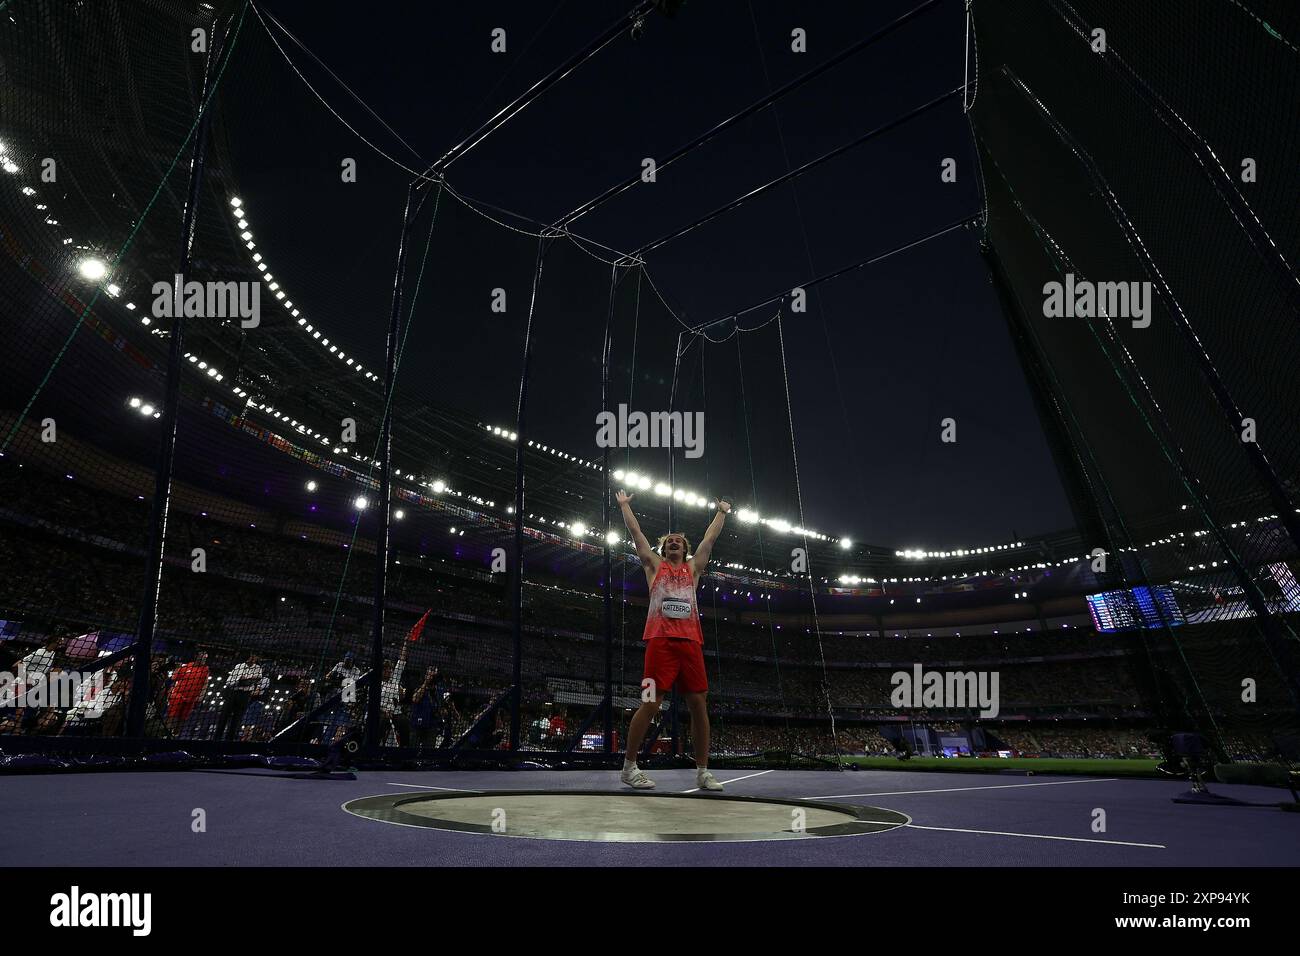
[579,529]
[663,490]
[360,504]
[146,409]
[399,514]
[618,474]
[439,487]
[644,483]
[611,538]
[134,403]
[92,269]
[845,543]
[311,486]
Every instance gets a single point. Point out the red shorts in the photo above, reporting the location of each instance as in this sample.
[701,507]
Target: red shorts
[668,658]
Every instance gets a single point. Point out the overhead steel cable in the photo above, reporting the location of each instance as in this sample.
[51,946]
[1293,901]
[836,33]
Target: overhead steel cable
[844,270]
[748,111]
[524,99]
[799,171]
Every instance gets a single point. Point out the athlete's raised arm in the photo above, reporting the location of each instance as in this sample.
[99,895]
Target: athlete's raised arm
[701,559]
[649,560]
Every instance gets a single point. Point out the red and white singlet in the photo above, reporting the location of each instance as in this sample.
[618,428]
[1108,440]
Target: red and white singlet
[673,612]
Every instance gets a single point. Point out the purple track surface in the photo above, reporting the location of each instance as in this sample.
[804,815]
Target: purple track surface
[260,818]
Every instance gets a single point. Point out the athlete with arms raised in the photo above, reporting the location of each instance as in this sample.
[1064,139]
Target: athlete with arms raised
[674,652]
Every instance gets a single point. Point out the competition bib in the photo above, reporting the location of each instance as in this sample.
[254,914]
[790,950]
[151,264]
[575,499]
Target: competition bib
[677,610]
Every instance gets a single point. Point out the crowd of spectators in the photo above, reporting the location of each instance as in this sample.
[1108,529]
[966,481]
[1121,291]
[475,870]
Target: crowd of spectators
[271,640]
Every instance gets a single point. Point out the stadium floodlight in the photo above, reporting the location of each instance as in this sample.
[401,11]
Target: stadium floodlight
[92,269]
[439,487]
[780,525]
[10,165]
[360,504]
[618,474]
[399,514]
[236,201]
[146,410]
[643,483]
[663,490]
[845,543]
[134,402]
[579,529]
[679,495]
[311,486]
[611,538]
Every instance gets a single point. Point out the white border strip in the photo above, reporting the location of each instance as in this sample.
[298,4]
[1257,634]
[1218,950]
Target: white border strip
[732,780]
[1038,836]
[999,786]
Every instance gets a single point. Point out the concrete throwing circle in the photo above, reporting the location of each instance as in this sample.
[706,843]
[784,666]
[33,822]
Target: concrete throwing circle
[626,817]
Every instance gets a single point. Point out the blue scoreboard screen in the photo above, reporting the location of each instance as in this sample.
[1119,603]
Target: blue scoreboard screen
[1132,610]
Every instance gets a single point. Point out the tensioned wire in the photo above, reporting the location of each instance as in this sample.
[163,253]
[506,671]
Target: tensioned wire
[130,239]
[717,639]
[417,175]
[627,465]
[860,470]
[388,399]
[812,584]
[762,554]
[335,77]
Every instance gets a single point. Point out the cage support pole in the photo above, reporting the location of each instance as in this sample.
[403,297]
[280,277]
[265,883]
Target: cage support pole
[137,707]
[517,575]
[607,595]
[371,741]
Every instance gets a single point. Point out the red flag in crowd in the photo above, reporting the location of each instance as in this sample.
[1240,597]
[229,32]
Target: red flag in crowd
[419,627]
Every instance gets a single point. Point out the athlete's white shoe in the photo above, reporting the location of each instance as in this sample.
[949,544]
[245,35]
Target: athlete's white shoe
[705,780]
[636,777]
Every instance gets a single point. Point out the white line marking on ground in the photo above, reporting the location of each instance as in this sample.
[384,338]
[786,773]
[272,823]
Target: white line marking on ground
[732,780]
[999,786]
[1038,836]
[422,786]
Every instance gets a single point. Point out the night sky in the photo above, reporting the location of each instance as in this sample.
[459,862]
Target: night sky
[879,358]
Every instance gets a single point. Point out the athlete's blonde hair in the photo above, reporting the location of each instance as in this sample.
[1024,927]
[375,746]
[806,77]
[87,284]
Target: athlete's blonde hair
[664,537]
